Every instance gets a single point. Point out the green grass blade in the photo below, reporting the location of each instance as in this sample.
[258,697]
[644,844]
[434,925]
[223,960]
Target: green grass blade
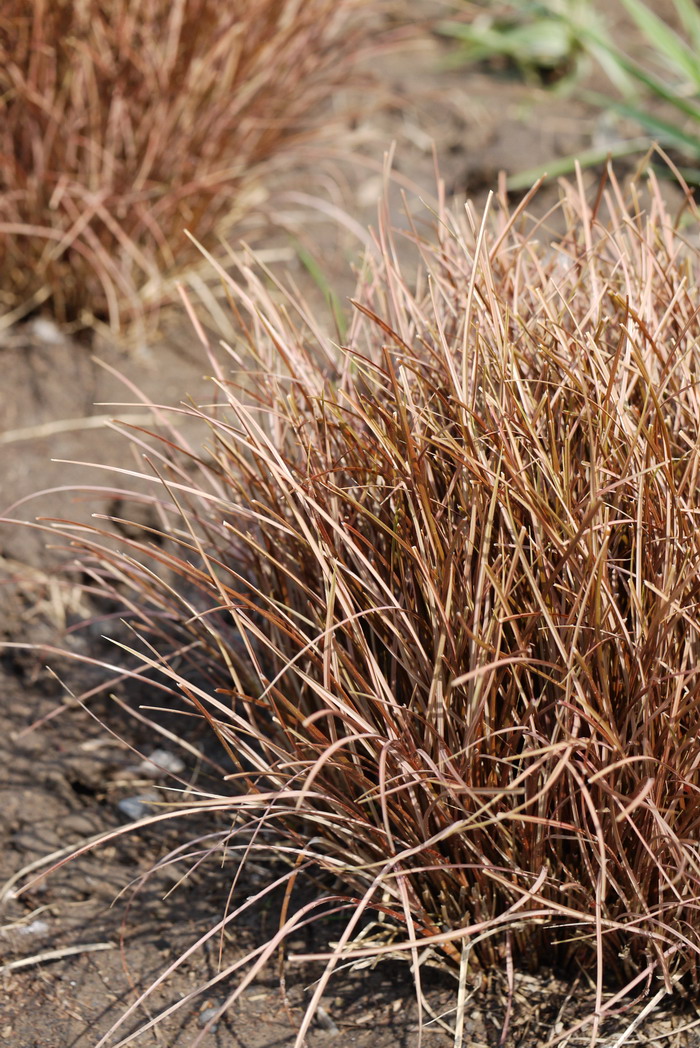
[681,58]
[663,130]
[319,278]
[690,18]
[565,165]
[656,86]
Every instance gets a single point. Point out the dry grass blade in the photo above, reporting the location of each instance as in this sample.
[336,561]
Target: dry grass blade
[55,955]
[437,593]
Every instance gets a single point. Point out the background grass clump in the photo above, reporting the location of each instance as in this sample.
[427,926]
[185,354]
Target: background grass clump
[122,124]
[437,590]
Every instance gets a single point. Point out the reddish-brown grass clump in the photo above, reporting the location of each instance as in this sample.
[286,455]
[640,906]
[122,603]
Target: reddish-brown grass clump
[437,591]
[122,125]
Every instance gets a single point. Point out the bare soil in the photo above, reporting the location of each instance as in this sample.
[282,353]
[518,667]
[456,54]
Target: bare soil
[63,776]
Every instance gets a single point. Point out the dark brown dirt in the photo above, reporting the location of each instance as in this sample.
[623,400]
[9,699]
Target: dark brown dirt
[62,784]
[62,780]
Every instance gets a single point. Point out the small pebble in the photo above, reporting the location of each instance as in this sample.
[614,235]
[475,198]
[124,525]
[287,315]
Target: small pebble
[160,763]
[206,1015]
[136,807]
[47,331]
[325,1021]
[35,928]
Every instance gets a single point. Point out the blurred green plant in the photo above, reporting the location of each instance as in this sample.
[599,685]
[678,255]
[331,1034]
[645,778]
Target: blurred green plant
[669,77]
[660,90]
[546,41]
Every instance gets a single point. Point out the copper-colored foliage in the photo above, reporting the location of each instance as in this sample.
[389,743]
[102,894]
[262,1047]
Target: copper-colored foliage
[447,581]
[123,124]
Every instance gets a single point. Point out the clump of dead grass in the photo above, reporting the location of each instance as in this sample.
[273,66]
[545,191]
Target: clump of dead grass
[122,125]
[436,591]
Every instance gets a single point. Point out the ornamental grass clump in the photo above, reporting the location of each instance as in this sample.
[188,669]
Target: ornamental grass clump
[436,591]
[123,124]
